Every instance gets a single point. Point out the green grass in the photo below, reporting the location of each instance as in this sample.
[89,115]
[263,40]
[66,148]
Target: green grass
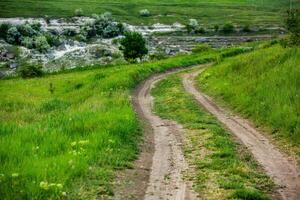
[253,12]
[222,168]
[264,86]
[72,140]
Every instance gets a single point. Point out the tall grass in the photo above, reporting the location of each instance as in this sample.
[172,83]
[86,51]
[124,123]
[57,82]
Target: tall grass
[263,85]
[65,135]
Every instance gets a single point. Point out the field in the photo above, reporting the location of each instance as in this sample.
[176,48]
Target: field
[264,86]
[67,134]
[209,13]
[222,168]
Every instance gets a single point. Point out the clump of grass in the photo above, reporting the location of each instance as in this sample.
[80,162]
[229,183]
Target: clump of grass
[221,166]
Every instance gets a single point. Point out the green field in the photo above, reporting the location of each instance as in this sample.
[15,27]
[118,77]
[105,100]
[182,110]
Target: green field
[264,86]
[253,12]
[70,138]
[222,168]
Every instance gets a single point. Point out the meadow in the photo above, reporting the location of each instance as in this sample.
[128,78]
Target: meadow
[209,13]
[221,167]
[64,136]
[263,86]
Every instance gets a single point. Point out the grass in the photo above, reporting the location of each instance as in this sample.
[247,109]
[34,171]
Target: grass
[242,12]
[264,86]
[64,136]
[222,169]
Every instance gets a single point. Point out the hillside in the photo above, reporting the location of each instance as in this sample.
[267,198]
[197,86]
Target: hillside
[264,86]
[266,12]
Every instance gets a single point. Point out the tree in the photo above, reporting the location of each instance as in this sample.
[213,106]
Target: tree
[133,46]
[292,23]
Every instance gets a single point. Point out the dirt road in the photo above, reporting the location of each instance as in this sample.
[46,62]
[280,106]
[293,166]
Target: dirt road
[284,171]
[168,163]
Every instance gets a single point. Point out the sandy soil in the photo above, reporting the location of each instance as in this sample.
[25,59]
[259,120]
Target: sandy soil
[284,171]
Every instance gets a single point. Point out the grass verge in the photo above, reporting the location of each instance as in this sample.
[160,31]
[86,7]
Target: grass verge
[264,86]
[222,169]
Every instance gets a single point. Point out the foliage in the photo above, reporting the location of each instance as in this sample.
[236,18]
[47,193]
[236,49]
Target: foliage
[200,30]
[228,28]
[28,42]
[201,48]
[41,44]
[133,46]
[30,71]
[26,30]
[216,28]
[78,12]
[292,22]
[246,29]
[192,25]
[36,26]
[3,30]
[13,36]
[53,40]
[145,13]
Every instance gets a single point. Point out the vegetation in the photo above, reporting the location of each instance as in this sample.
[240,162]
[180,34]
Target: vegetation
[222,168]
[228,28]
[145,13]
[30,71]
[267,87]
[66,134]
[133,46]
[267,12]
[293,26]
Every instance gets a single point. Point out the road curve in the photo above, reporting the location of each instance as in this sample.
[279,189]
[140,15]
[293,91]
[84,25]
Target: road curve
[168,164]
[285,172]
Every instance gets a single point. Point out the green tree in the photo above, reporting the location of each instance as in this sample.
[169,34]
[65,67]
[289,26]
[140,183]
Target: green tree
[292,23]
[133,46]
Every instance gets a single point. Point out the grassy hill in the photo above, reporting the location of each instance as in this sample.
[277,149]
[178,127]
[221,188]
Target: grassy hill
[253,12]
[264,86]
[66,134]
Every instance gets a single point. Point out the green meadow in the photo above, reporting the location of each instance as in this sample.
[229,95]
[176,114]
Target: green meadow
[264,86]
[241,12]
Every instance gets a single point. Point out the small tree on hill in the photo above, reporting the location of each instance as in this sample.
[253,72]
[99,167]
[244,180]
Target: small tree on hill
[133,46]
[292,23]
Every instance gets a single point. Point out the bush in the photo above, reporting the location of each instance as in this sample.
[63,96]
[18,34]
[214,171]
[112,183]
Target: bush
[30,71]
[228,28]
[36,26]
[145,13]
[133,46]
[200,30]
[292,23]
[27,42]
[53,40]
[26,30]
[201,48]
[69,32]
[41,44]
[246,29]
[216,28]
[3,30]
[13,36]
[192,25]
[112,30]
[78,12]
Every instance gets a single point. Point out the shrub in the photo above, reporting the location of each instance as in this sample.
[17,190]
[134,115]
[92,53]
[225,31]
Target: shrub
[200,30]
[292,23]
[53,40]
[26,30]
[69,32]
[201,48]
[192,25]
[216,28]
[30,71]
[78,12]
[13,36]
[133,46]
[145,13]
[27,42]
[36,26]
[246,29]
[228,28]
[112,30]
[3,30]
[41,44]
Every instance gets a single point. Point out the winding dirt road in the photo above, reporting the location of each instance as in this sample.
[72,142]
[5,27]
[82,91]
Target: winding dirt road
[168,164]
[284,172]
